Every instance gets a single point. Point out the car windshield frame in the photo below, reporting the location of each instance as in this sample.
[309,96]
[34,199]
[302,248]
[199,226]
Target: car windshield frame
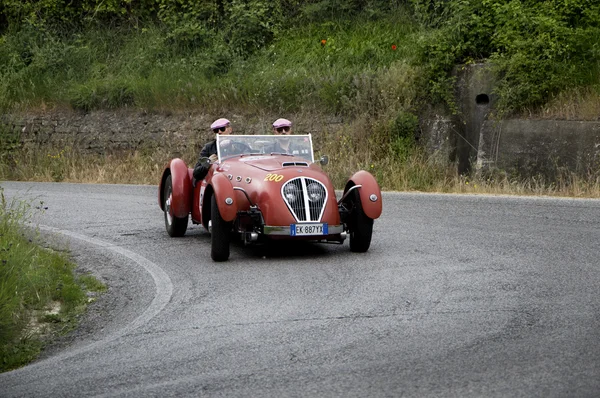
[234,145]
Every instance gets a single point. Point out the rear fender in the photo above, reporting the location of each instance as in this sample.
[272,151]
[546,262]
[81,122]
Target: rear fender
[370,193]
[224,195]
[182,188]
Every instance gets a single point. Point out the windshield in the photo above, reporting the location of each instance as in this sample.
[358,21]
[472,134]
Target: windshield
[291,145]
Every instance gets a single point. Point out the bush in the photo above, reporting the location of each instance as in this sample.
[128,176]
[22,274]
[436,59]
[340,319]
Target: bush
[538,48]
[251,25]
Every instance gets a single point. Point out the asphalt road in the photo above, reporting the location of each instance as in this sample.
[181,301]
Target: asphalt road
[459,296]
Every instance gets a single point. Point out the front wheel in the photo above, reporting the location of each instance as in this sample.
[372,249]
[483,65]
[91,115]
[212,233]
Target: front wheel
[220,234]
[360,225]
[175,226]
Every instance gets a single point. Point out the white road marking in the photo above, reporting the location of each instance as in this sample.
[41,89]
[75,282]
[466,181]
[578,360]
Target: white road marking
[164,291]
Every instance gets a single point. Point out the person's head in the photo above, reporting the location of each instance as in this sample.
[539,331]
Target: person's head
[221,126]
[282,127]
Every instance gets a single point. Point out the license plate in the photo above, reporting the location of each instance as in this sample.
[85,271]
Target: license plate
[308,229]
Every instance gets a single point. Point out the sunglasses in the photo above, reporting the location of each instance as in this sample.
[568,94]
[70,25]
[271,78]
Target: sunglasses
[221,129]
[282,129]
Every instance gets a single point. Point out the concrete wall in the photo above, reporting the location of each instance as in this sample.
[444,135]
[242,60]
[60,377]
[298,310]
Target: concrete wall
[107,131]
[101,131]
[543,147]
[475,100]
[468,139]
[526,147]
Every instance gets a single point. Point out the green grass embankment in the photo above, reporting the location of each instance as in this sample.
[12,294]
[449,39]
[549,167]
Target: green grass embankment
[40,295]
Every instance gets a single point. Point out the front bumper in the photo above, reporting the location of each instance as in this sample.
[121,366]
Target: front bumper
[286,231]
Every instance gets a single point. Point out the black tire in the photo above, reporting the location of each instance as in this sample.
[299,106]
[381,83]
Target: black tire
[176,226]
[220,235]
[360,225]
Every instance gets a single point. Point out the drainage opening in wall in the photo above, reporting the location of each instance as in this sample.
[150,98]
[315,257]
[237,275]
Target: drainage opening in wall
[482,99]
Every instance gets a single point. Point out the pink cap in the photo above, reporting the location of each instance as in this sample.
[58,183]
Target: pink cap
[219,123]
[282,123]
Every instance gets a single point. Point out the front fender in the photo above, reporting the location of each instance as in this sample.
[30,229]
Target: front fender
[370,193]
[181,202]
[223,190]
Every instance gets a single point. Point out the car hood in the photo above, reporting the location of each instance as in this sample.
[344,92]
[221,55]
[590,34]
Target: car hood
[273,162]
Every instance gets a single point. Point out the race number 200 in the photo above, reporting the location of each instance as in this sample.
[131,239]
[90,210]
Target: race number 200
[273,177]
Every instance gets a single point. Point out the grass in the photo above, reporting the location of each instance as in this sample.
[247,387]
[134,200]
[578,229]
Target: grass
[40,295]
[573,104]
[143,69]
[399,165]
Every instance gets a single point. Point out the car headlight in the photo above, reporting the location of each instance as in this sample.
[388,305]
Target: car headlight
[291,191]
[315,192]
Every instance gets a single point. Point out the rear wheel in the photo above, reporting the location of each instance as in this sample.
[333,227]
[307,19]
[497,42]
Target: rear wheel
[220,235]
[360,225]
[175,226]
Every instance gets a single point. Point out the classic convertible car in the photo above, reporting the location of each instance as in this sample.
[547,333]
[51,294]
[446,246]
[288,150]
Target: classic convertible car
[260,191]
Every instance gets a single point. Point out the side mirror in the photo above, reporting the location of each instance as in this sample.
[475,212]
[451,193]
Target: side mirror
[324,160]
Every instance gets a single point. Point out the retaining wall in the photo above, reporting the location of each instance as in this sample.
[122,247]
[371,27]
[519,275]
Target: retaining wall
[521,145]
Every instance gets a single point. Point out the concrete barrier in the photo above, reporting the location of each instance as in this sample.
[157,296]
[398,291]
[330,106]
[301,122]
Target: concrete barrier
[470,138]
[539,147]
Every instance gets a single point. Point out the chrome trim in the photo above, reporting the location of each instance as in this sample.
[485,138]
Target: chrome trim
[168,209]
[302,209]
[348,191]
[285,230]
[245,193]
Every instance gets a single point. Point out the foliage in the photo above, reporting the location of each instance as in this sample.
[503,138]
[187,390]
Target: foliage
[31,278]
[251,24]
[10,143]
[58,14]
[110,53]
[115,67]
[538,47]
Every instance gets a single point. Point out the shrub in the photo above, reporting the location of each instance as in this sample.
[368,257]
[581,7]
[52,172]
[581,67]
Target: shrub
[538,48]
[251,25]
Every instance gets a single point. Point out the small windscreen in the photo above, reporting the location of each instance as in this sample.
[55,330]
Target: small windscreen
[288,145]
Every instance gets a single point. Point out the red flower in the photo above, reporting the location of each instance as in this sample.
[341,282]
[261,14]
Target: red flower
[323,42]
[394,47]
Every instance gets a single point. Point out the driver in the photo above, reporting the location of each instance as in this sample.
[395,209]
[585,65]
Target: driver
[209,152]
[282,128]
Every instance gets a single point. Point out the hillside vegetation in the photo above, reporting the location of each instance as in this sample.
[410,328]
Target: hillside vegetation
[339,56]
[373,63]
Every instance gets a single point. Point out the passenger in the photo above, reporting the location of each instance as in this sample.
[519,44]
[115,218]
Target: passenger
[208,154]
[282,128]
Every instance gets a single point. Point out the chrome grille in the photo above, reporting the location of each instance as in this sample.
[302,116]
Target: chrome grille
[305,197]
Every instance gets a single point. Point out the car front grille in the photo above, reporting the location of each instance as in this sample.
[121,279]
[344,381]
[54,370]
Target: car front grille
[305,197]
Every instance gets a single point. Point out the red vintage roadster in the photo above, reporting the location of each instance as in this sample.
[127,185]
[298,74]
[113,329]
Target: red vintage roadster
[258,191]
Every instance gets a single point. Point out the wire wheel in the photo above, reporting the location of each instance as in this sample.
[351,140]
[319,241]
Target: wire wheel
[175,226]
